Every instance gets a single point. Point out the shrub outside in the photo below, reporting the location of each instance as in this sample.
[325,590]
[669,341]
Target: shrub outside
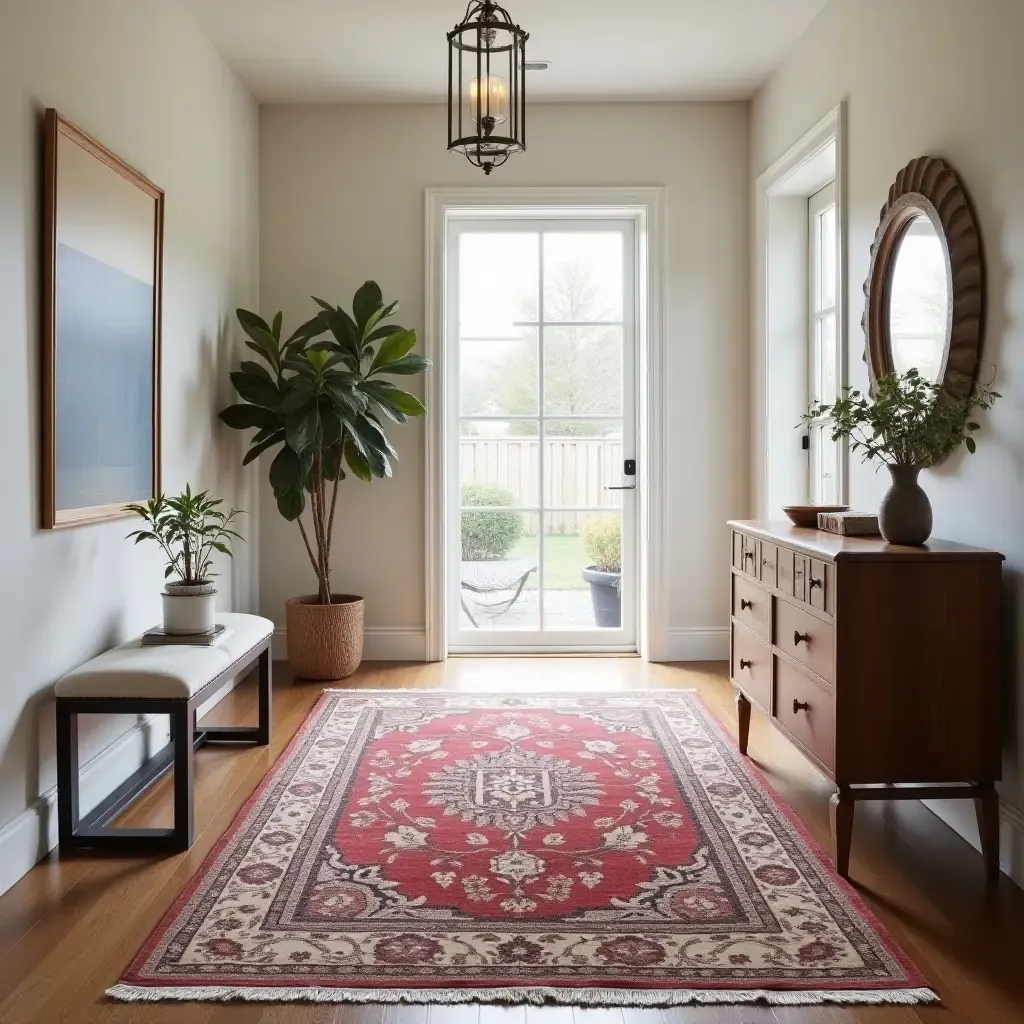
[488,535]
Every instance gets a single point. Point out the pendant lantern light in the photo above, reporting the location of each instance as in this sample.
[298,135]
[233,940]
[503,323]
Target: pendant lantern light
[487,86]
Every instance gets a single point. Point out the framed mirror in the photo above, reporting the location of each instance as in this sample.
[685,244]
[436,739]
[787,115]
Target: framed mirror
[925,293]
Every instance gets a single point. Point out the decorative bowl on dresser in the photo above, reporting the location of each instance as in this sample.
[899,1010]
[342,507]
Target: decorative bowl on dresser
[880,662]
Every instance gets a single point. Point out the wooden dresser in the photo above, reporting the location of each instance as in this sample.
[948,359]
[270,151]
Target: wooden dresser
[880,662]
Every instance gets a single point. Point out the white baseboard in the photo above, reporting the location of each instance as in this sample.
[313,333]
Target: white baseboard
[380,643]
[709,643]
[959,816]
[30,835]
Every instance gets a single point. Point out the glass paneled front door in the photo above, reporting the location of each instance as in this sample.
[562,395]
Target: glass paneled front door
[540,391]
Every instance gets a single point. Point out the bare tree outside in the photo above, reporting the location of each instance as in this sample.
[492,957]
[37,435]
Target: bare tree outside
[582,365]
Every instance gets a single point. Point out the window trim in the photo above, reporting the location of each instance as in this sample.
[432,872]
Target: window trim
[818,205]
[816,158]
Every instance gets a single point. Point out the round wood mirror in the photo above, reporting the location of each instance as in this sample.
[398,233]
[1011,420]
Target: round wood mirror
[926,288]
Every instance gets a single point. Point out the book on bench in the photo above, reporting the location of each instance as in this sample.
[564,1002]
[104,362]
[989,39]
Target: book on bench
[157,637]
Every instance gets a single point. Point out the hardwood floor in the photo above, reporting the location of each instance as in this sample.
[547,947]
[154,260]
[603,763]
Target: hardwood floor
[69,927]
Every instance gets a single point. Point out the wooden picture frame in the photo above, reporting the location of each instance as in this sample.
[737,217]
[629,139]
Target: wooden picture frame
[103,227]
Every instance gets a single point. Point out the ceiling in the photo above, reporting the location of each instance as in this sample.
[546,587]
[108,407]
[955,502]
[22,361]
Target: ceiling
[368,51]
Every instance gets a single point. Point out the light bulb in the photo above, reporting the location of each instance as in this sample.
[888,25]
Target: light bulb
[488,101]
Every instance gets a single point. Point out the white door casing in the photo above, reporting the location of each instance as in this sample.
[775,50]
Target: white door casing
[639,213]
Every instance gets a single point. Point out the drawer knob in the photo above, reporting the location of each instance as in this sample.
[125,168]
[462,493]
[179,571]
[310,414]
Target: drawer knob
[744,604]
[748,554]
[814,581]
[800,638]
[799,706]
[745,664]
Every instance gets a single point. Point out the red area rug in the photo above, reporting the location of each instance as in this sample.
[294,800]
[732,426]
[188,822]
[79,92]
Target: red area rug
[609,849]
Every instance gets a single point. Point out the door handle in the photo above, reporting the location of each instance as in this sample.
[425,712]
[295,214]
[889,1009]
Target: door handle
[627,487]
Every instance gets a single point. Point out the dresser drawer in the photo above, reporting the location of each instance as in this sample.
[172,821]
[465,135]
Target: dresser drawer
[769,562]
[806,709]
[737,550]
[801,570]
[804,637]
[784,570]
[752,666]
[821,586]
[750,556]
[752,606]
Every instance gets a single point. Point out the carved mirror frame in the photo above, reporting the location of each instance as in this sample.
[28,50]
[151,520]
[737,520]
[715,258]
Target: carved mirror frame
[929,187]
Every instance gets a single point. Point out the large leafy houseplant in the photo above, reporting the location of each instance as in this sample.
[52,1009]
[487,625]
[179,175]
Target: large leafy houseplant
[321,397]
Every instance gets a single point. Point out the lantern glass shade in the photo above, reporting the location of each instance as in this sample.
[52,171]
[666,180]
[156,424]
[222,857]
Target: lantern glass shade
[489,99]
[486,86]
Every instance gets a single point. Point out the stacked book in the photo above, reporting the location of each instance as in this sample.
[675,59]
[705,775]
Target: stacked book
[157,637]
[849,524]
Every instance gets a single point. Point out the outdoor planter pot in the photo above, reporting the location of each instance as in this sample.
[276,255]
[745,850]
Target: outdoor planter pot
[605,596]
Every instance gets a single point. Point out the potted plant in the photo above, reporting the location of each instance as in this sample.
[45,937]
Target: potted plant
[907,423]
[189,528]
[320,397]
[602,544]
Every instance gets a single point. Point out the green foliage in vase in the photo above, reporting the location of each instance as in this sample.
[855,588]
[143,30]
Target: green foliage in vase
[907,420]
[321,397]
[189,527]
[602,541]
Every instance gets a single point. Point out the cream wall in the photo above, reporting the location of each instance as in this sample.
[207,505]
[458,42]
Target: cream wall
[139,76]
[342,199]
[945,78]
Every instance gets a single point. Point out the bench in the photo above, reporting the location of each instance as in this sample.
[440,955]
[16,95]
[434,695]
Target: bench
[174,680]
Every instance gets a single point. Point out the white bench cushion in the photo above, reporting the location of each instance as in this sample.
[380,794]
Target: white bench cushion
[132,670]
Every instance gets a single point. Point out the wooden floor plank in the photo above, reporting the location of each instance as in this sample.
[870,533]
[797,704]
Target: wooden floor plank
[69,928]
[549,1015]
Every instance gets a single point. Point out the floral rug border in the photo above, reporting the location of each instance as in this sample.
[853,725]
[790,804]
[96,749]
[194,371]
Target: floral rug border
[533,995]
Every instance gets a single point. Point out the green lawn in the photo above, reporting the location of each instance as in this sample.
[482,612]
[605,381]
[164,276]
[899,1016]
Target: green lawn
[563,560]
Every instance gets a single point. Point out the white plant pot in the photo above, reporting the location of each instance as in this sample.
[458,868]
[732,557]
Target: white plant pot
[189,613]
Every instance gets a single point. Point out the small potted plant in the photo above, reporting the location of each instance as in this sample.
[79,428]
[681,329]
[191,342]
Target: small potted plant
[602,544]
[907,424]
[321,397]
[189,528]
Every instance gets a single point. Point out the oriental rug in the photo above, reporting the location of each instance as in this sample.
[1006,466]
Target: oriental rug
[610,849]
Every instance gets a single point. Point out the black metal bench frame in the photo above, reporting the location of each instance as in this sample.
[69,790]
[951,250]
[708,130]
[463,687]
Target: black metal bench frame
[93,830]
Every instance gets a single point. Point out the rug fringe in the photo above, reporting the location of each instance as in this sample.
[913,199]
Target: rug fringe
[358,691]
[534,996]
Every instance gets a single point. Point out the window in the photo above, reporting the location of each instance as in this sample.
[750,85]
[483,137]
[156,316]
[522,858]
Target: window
[825,455]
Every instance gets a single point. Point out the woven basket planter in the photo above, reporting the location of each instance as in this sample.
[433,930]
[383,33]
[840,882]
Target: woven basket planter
[325,641]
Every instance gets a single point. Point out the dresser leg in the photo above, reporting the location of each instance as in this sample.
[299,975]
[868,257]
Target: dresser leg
[840,813]
[742,721]
[986,807]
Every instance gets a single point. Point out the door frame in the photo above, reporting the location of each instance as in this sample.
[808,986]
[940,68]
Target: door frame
[644,206]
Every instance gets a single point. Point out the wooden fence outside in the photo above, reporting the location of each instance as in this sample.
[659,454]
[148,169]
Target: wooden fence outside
[576,472]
